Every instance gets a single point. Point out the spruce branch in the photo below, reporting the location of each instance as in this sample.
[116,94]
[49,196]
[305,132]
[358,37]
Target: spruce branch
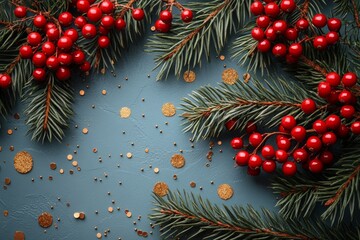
[186,215]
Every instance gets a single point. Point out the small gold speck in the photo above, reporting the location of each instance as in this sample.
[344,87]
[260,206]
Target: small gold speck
[156,170]
[222,57]
[69,157]
[82,92]
[85,130]
[103,92]
[125,112]
[9,131]
[129,155]
[110,209]
[74,163]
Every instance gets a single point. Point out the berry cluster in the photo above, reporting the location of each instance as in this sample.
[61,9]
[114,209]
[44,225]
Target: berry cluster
[276,34]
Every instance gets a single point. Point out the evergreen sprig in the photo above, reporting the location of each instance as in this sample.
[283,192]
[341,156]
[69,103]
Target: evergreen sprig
[192,217]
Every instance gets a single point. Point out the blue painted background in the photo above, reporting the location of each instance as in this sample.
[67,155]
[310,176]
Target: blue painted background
[25,199]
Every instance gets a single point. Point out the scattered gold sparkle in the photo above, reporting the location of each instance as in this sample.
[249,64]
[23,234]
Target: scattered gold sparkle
[74,163]
[69,157]
[168,109]
[128,214]
[146,150]
[53,166]
[45,219]
[98,235]
[103,92]
[230,76]
[6,213]
[225,191]
[192,184]
[222,57]
[110,209]
[82,92]
[156,170]
[161,189]
[129,155]
[85,130]
[61,171]
[19,235]
[76,215]
[246,77]
[189,76]
[23,162]
[125,112]
[177,160]
[9,131]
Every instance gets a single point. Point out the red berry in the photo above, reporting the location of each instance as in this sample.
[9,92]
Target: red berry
[319,20]
[345,96]
[319,126]
[34,38]
[302,24]
[308,106]
[20,11]
[333,98]
[298,133]
[254,161]
[288,5]
[138,14]
[107,6]
[270,34]
[269,166]
[347,111]
[279,50]
[162,27]
[290,59]
[253,172]
[257,33]
[63,73]
[289,169]
[316,166]
[39,59]
[83,6]
[48,26]
[52,63]
[88,31]
[288,122]
[295,49]
[104,42]
[332,38]
[279,26]
[65,19]
[272,9]
[300,155]
[355,127]
[326,157]
[65,59]
[264,46]
[329,138]
[25,52]
[85,67]
[281,155]
[230,124]
[39,21]
[80,21]
[324,89]
[256,8]
[120,24]
[103,31]
[283,143]
[255,139]
[107,22]
[72,33]
[291,34]
[282,129]
[263,21]
[250,127]
[237,143]
[48,48]
[78,57]
[314,144]
[186,15]
[39,74]
[333,79]
[242,158]
[342,131]
[53,34]
[349,79]
[166,16]
[334,24]
[65,43]
[268,151]
[5,80]
[320,42]
[333,122]
[94,14]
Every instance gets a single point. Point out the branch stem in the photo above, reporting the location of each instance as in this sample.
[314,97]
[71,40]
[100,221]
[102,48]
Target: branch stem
[314,65]
[47,106]
[356,14]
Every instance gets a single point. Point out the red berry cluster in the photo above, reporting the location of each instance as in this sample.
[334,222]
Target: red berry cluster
[163,24]
[277,35]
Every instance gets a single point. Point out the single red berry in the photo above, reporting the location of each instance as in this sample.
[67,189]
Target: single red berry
[25,52]
[295,49]
[345,96]
[39,21]
[63,73]
[300,155]
[257,33]
[349,79]
[320,42]
[230,124]
[104,41]
[319,20]
[316,166]
[166,16]
[237,143]
[326,157]
[20,11]
[272,9]
[72,33]
[83,6]
[85,67]
[242,158]
[39,59]
[103,31]
[270,34]
[355,127]
[48,26]
[94,14]
[288,122]
[254,161]
[269,166]
[48,48]
[162,27]
[332,38]
[283,130]
[138,14]
[80,21]
[291,34]
[91,1]
[107,6]
[302,24]
[268,151]
[256,8]
[319,126]
[263,21]
[308,106]
[298,133]
[268,1]
[65,43]
[52,63]
[39,74]
[279,50]
[328,138]
[120,24]
[333,79]
[283,143]
[347,111]
[253,172]
[324,89]
[186,15]
[279,26]
[333,98]
[264,46]
[53,34]
[342,131]
[333,122]
[78,57]
[65,19]
[255,139]
[5,80]
[34,38]
[281,155]
[314,144]
[65,59]
[288,5]
[107,22]
[250,127]
[289,169]
[290,59]
[88,31]
[334,24]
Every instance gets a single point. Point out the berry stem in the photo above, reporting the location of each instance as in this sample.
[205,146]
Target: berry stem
[174,3]
[356,14]
[305,9]
[47,105]
[266,137]
[314,65]
[12,65]
[126,8]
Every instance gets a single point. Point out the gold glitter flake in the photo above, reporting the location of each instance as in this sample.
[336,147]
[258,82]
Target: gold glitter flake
[69,157]
[246,77]
[168,109]
[110,209]
[177,160]
[146,150]
[128,214]
[75,163]
[76,215]
[53,166]
[222,57]
[82,92]
[161,189]
[6,213]
[85,131]
[125,112]
[18,235]
[103,92]
[23,162]
[156,170]
[61,171]
[45,220]
[192,184]
[225,191]
[189,76]
[129,155]
[153,28]
[10,131]
[98,235]
[230,76]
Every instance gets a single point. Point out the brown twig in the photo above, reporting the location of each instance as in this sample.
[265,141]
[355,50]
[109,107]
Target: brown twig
[305,9]
[12,65]
[356,14]
[235,228]
[125,8]
[47,106]
[314,65]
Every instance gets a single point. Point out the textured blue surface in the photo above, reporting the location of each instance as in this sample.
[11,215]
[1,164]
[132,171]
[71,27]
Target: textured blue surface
[25,199]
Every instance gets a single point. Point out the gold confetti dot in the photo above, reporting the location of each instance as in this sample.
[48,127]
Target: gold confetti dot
[9,131]
[69,157]
[103,71]
[177,160]
[45,219]
[74,163]
[76,215]
[103,92]
[19,235]
[246,77]
[6,213]
[53,166]
[192,184]
[128,214]
[82,216]
[189,76]
[156,170]
[61,171]
[125,112]
[153,28]
[129,155]
[7,181]
[146,150]
[85,130]
[225,191]
[168,109]
[98,235]
[230,76]
[94,150]
[219,143]
[110,209]
[161,189]
[23,162]
[222,57]
[82,92]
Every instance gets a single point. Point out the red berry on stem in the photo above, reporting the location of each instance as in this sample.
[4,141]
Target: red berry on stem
[65,59]
[333,79]
[263,21]
[88,31]
[107,6]
[80,21]
[333,122]
[279,50]
[295,49]
[162,26]
[302,24]
[334,24]
[314,144]
[254,161]
[288,5]
[342,131]
[63,73]
[78,57]
[138,14]
[279,26]
[48,48]
[308,106]
[103,31]
[65,19]
[283,143]
[83,6]
[333,98]
[250,127]
[34,38]
[291,34]
[120,24]
[270,34]
[257,33]
[257,8]
[25,52]
[52,63]
[345,96]
[319,126]
[355,127]
[39,59]
[332,38]
[300,155]
[253,172]
[20,11]
[264,46]
[281,155]
[255,139]
[48,26]
[65,43]
[53,34]
[85,66]
[290,59]
[268,151]
[269,166]
[349,79]
[316,166]
[272,9]
[347,111]
[298,133]
[324,89]
[237,143]
[242,158]
[289,169]
[72,33]
[5,80]
[288,122]
[326,157]
[186,15]
[319,20]
[107,22]
[39,21]
[230,124]
[94,14]
[320,42]
[166,16]
[39,74]
[104,41]
[329,138]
